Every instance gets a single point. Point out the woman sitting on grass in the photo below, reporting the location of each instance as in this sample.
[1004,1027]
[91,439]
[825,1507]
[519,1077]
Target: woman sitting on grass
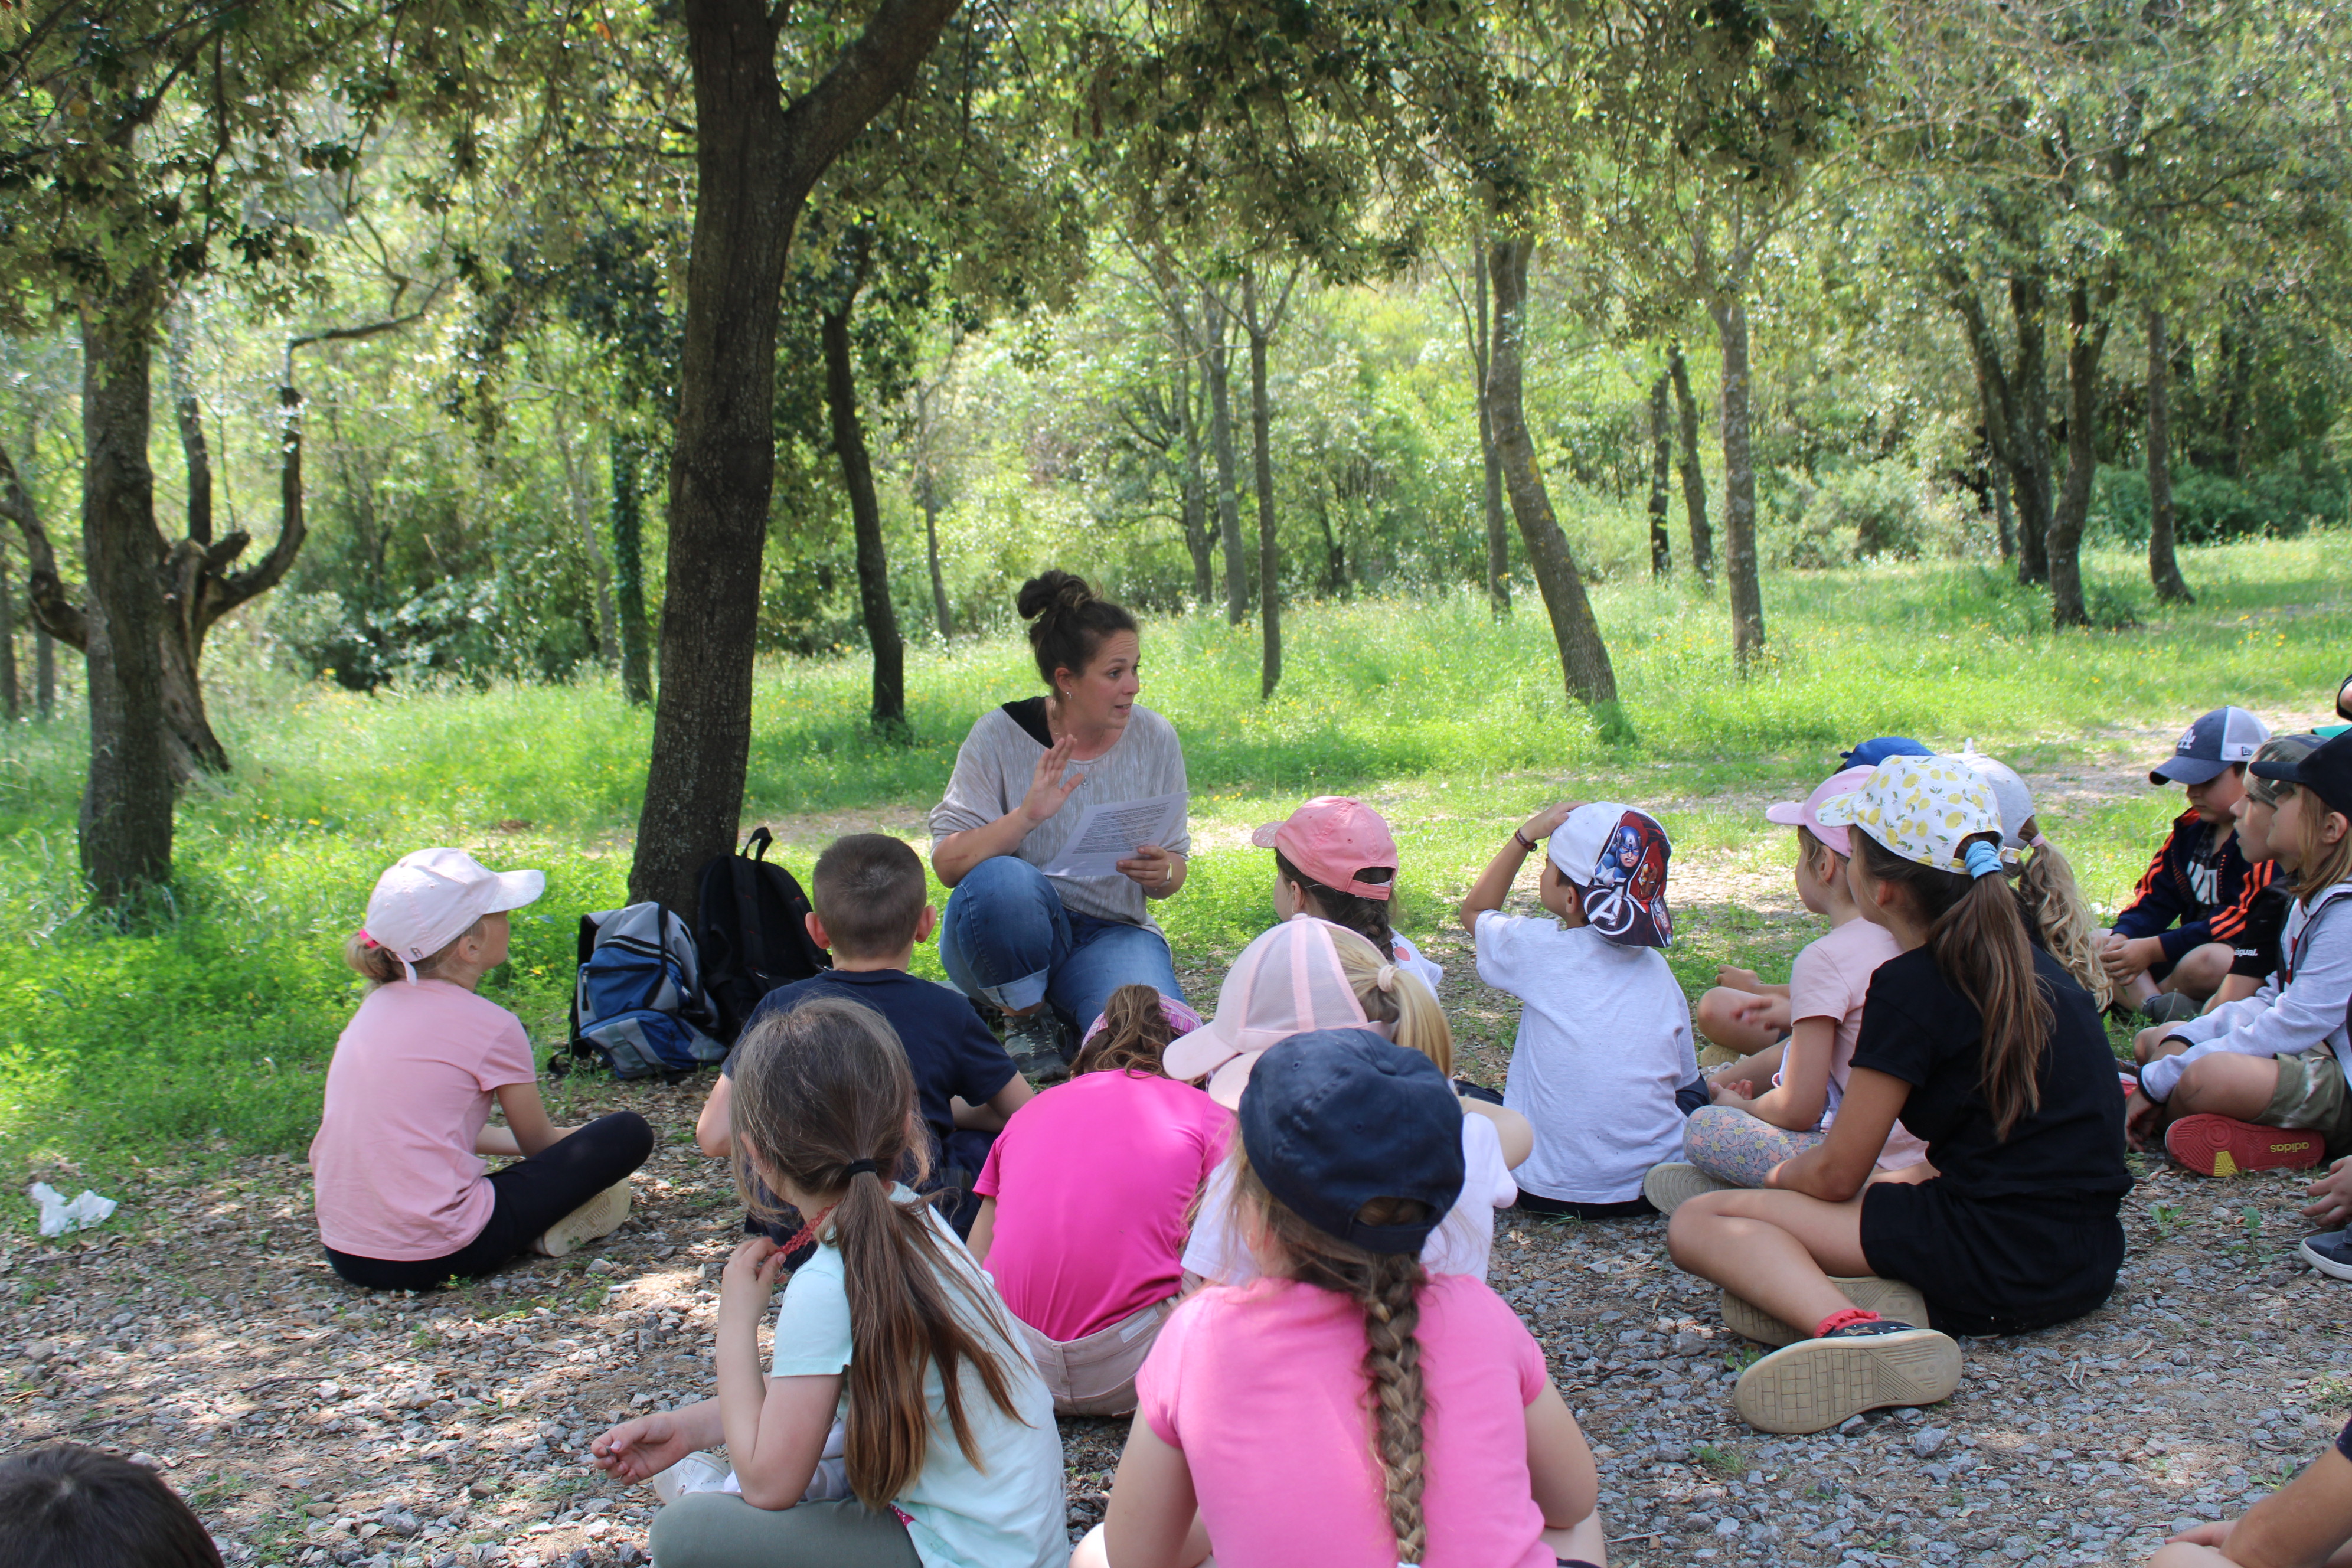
[1986,1047]
[401,1199]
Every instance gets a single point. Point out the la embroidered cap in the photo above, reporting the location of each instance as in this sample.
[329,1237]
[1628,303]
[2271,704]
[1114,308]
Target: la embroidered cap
[1335,1118]
[429,898]
[1806,813]
[2277,749]
[2217,739]
[2009,796]
[1335,839]
[2326,772]
[1286,981]
[1877,749]
[1921,808]
[1617,857]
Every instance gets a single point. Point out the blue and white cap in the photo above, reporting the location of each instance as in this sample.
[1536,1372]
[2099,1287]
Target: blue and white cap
[2219,739]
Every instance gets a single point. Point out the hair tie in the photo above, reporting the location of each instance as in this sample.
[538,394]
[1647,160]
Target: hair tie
[1386,978]
[369,941]
[2038,841]
[1984,860]
[861,1168]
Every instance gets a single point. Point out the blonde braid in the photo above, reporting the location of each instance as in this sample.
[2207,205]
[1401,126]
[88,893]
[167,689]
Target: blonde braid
[1392,1366]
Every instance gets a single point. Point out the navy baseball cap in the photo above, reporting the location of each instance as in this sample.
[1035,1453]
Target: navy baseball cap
[2217,740]
[1872,752]
[1335,1118]
[2325,771]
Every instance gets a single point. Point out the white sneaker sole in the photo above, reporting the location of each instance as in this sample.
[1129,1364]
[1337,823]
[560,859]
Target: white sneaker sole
[1815,1384]
[1887,1298]
[2327,1266]
[698,1470]
[1675,1183]
[600,1215]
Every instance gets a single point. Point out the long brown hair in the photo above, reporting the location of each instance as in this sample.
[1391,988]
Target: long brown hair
[1976,933]
[2052,900]
[1368,917]
[1415,1020]
[1386,1286]
[1134,1033]
[817,1090]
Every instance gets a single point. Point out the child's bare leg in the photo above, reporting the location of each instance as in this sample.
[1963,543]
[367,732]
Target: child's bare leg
[2186,1554]
[1774,1249]
[2226,1085]
[2151,1043]
[1755,1070]
[2202,970]
[1718,1022]
[1584,1542]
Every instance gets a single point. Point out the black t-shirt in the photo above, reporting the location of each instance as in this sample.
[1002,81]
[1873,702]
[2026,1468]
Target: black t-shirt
[949,1049]
[2255,948]
[1917,1028]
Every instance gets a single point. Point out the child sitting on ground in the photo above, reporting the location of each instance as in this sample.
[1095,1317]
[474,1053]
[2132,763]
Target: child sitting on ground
[1604,1037]
[399,1185]
[1083,1201]
[1986,1049]
[2307,1521]
[868,892]
[2260,1083]
[68,1506]
[1350,1410]
[2254,953]
[2171,947]
[2057,918]
[1334,858]
[890,1343]
[1737,1139]
[1308,974]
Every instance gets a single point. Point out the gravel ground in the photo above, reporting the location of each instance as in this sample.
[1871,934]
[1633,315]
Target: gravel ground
[309,1423]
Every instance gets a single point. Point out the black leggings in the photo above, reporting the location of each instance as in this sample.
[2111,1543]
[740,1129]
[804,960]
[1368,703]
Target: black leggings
[1631,1208]
[531,1195]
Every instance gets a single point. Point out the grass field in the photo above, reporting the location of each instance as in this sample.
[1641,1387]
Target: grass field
[209,1032]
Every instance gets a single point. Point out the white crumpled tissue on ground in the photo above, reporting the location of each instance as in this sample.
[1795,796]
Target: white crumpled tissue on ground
[59,1217]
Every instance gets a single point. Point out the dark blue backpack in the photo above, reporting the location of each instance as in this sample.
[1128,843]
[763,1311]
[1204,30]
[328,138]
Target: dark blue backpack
[639,1001]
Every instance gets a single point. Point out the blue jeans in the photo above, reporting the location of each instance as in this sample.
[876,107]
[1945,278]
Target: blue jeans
[1007,939]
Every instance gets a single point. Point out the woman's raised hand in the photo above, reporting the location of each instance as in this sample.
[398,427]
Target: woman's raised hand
[1047,788]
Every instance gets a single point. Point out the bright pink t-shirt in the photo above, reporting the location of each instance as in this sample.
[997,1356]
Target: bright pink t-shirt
[1091,1181]
[410,1088]
[1263,1387]
[1829,980]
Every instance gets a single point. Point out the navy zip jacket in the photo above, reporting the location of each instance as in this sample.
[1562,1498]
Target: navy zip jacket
[2187,900]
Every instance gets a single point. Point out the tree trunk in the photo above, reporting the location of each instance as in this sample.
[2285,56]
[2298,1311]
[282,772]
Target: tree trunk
[2086,341]
[1662,549]
[45,673]
[11,700]
[575,492]
[2003,513]
[2029,303]
[930,502]
[2163,561]
[1738,487]
[755,162]
[189,414]
[1198,541]
[1221,442]
[890,708]
[1498,539]
[629,566]
[126,807]
[1583,656]
[1262,327]
[1694,477]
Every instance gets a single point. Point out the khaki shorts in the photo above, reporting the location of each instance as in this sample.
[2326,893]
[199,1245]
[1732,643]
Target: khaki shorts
[1096,1376]
[2310,1094]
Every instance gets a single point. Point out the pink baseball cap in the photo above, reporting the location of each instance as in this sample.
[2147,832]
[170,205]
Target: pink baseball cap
[1331,839]
[1181,1021]
[1807,813]
[1285,983]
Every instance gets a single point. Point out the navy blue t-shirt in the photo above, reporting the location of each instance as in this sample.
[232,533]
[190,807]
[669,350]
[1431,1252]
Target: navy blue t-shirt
[949,1050]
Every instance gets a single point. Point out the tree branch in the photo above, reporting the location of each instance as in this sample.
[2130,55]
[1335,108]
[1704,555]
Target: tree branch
[45,592]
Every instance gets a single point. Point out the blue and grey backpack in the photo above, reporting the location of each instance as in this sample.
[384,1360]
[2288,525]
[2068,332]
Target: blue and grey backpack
[639,1002]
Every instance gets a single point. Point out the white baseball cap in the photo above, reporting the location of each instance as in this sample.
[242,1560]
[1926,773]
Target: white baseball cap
[2008,792]
[431,897]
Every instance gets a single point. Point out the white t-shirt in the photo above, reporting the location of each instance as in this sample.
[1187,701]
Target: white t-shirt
[1461,1244]
[1409,959]
[1604,1041]
[1008,1513]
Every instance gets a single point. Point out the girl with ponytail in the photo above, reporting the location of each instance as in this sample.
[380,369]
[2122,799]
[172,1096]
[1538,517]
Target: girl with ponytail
[1261,1405]
[897,1378]
[1984,1046]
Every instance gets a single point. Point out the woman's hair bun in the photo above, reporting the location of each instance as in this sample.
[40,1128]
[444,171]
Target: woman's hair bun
[1053,590]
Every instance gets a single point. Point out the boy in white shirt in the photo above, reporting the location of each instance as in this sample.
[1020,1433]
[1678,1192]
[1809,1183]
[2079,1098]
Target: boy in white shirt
[1604,1030]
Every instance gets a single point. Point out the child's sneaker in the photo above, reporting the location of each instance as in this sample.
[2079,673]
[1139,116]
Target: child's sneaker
[695,1473]
[1815,1384]
[1887,1298]
[2330,1252]
[1675,1183]
[2170,1007]
[600,1215]
[2222,1146]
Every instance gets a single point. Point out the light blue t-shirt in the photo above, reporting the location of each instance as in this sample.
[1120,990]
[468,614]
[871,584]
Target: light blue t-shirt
[1010,1513]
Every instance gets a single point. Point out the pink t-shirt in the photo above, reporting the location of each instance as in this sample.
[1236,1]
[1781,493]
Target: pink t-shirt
[1831,977]
[1092,1180]
[1262,1386]
[410,1088]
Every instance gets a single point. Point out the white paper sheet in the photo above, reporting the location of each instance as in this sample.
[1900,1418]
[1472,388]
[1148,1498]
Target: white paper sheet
[1112,831]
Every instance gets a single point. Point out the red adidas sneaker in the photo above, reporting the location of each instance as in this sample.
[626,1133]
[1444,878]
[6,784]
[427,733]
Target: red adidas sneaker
[2222,1146]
